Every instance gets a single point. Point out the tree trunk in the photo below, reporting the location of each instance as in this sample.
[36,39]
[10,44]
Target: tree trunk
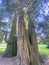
[33,40]
[12,42]
[22,45]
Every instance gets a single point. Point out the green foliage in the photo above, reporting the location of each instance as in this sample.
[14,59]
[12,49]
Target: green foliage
[2,24]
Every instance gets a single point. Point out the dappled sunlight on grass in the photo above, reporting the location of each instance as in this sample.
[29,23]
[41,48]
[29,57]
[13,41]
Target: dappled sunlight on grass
[2,48]
[43,49]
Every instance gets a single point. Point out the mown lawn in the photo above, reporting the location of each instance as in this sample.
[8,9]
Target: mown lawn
[2,48]
[43,50]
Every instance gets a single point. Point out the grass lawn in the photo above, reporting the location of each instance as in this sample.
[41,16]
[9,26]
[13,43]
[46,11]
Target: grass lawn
[43,50]
[2,48]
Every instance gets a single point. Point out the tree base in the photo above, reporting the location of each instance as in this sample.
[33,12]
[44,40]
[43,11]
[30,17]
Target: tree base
[11,50]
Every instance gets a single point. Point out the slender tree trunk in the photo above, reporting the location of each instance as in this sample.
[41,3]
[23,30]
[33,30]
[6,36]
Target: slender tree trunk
[12,42]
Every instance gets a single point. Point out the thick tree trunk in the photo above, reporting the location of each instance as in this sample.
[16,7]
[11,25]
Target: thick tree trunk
[23,51]
[12,42]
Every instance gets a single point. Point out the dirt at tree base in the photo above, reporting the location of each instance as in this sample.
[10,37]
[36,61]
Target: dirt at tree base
[46,60]
[9,61]
[16,61]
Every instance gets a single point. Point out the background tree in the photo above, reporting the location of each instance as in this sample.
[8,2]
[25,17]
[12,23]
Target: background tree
[12,41]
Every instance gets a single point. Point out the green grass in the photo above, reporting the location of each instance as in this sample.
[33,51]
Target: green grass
[43,50]
[2,48]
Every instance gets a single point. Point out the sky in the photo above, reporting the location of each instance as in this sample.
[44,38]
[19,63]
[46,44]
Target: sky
[0,1]
[43,12]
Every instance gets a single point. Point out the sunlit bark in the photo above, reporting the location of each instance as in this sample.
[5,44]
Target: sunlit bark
[23,51]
